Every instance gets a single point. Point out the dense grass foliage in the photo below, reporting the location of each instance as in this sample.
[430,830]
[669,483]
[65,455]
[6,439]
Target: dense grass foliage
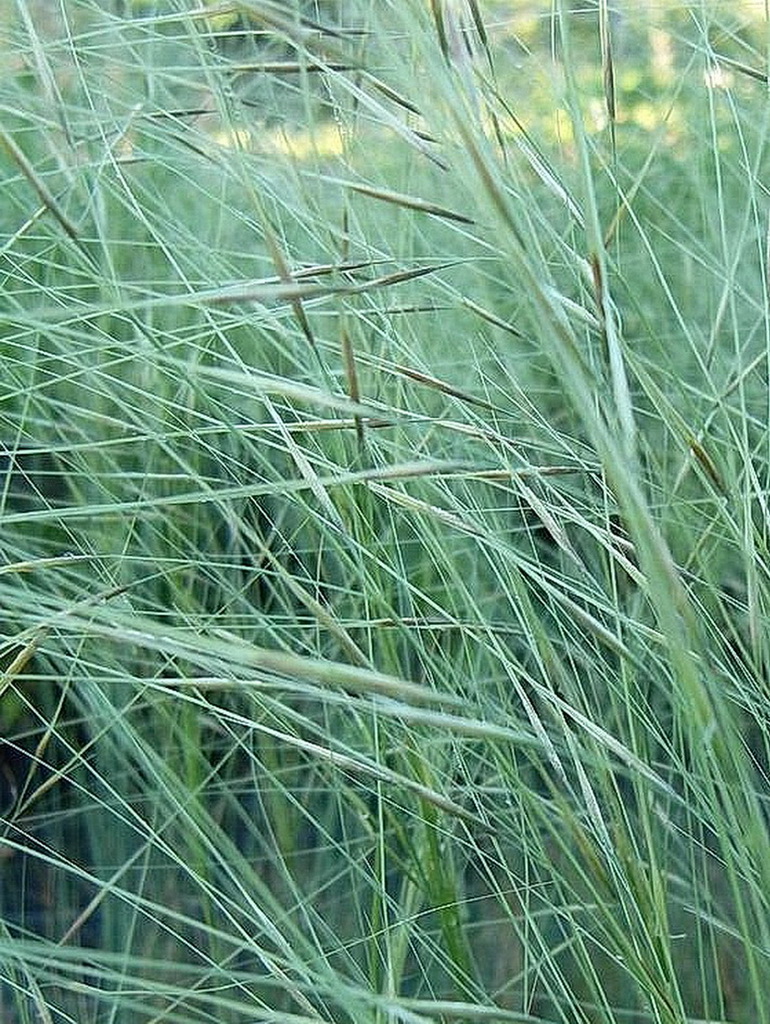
[385,459]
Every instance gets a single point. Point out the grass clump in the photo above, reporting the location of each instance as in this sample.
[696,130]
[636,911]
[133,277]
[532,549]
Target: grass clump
[385,459]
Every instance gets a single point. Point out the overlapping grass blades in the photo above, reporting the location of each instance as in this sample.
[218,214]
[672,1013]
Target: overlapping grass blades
[384,525]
